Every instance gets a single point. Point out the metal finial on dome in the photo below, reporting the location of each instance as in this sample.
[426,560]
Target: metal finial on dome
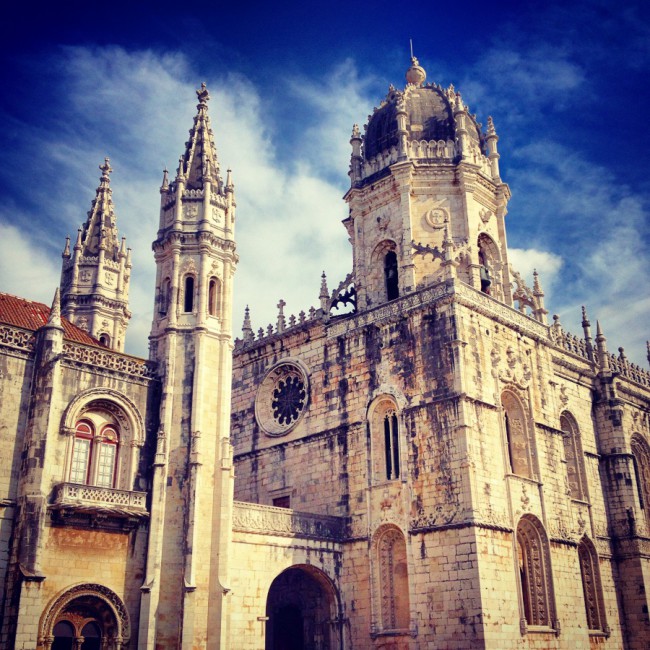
[416,74]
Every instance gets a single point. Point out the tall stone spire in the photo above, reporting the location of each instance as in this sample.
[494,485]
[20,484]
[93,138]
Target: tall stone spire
[191,338]
[95,277]
[199,162]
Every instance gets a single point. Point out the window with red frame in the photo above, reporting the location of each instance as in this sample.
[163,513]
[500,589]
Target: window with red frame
[94,457]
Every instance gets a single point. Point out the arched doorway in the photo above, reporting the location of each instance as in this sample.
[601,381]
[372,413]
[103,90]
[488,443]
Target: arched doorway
[85,617]
[302,611]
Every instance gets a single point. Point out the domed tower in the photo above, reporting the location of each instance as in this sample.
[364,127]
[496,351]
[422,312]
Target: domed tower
[426,198]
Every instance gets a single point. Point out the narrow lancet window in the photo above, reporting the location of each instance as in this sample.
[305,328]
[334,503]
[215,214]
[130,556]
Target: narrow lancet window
[188,301]
[391,275]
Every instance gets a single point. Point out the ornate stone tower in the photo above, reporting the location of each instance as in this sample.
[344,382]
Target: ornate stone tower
[426,198]
[95,276]
[184,601]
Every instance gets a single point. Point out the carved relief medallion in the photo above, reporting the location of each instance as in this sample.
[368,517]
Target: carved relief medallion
[191,211]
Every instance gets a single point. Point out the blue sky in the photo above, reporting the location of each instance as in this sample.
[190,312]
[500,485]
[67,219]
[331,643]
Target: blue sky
[566,84]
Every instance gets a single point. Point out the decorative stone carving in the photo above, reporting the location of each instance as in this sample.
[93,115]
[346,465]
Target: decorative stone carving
[436,218]
[485,215]
[190,211]
[122,631]
[268,520]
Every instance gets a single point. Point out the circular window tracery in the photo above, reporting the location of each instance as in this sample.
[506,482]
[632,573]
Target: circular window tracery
[282,398]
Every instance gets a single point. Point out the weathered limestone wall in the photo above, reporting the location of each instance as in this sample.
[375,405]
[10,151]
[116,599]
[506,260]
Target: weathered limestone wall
[446,364]
[15,372]
[52,550]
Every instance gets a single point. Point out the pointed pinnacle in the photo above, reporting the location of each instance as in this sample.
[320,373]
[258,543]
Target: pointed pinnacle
[585,317]
[54,319]
[324,291]
[66,249]
[247,320]
[77,245]
[165,180]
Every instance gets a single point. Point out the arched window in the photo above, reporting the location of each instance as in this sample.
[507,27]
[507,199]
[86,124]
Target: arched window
[92,637]
[188,297]
[391,444]
[573,456]
[384,424]
[214,297]
[105,340]
[641,461]
[391,580]
[517,440]
[165,296]
[94,451]
[489,260]
[591,585]
[83,440]
[391,275]
[534,564]
[64,635]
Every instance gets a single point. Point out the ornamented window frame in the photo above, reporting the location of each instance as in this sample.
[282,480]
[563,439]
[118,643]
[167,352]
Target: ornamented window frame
[283,397]
[130,425]
[535,580]
[386,444]
[517,437]
[592,587]
[389,551]
[575,465]
[640,450]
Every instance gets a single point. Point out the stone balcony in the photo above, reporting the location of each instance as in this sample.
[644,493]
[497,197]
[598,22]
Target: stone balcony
[283,522]
[97,507]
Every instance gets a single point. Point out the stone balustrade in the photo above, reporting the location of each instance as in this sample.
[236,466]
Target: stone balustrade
[269,520]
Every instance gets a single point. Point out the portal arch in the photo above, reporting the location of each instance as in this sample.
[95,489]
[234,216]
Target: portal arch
[303,611]
[93,613]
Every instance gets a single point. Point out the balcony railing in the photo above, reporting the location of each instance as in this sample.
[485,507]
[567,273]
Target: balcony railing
[269,520]
[108,500]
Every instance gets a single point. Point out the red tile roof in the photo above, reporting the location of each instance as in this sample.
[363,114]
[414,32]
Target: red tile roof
[31,315]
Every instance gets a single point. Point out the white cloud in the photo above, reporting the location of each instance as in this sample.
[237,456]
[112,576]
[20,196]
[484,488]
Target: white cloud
[528,260]
[27,267]
[600,228]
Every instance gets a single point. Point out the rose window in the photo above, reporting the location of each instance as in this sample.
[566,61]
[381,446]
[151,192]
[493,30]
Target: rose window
[282,398]
[288,400]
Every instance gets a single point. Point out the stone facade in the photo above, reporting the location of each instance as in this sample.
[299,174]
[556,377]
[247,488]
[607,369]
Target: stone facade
[420,462]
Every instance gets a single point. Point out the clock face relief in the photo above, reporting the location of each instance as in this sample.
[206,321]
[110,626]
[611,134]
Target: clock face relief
[282,398]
